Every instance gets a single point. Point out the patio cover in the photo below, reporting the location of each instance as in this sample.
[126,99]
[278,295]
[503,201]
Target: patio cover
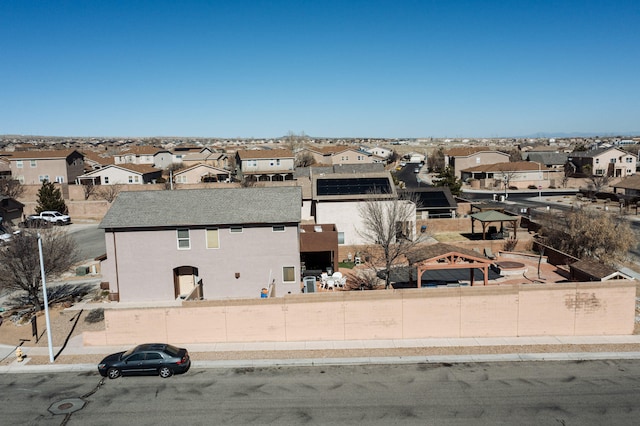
[490,216]
[445,256]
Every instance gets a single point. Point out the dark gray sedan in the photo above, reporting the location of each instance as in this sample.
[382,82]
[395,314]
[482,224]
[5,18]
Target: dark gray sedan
[150,358]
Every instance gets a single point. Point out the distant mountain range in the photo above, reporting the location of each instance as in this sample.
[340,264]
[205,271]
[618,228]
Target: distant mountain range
[580,134]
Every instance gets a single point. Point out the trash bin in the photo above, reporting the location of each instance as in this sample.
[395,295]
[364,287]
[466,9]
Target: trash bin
[309,284]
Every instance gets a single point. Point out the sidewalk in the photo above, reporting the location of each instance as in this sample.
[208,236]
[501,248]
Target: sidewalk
[326,348]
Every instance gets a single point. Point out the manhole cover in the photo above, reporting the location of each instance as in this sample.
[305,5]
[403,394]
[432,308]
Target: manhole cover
[67,406]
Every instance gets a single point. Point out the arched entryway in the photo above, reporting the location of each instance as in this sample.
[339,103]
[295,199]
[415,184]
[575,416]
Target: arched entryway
[186,283]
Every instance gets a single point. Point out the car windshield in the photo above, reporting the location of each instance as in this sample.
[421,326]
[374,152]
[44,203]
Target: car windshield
[172,350]
[129,352]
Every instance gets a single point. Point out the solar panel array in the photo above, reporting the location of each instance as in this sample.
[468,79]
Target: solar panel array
[353,186]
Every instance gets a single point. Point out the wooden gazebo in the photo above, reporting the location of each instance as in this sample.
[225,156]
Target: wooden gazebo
[444,256]
[492,216]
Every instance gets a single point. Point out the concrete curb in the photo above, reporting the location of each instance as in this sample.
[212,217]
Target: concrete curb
[25,368]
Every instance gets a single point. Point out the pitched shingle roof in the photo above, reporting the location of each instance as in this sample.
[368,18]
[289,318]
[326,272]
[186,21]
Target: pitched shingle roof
[264,153]
[467,151]
[515,166]
[204,207]
[51,154]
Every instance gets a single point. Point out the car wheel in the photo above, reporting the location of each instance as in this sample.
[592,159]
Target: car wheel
[165,372]
[113,373]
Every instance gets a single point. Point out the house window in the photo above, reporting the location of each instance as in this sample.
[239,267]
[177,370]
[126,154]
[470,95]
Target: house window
[252,163]
[42,178]
[33,163]
[184,243]
[278,228]
[235,229]
[106,179]
[340,237]
[19,164]
[136,179]
[288,274]
[612,161]
[597,161]
[21,179]
[130,179]
[213,241]
[629,160]
[278,162]
[60,179]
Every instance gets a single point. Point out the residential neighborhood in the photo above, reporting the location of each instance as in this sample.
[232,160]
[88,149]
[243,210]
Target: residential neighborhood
[193,224]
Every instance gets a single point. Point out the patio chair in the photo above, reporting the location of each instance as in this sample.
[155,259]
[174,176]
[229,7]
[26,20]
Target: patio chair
[330,284]
[489,254]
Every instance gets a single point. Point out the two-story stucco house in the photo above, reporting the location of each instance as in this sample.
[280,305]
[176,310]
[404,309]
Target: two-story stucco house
[203,243]
[338,199]
[137,155]
[612,162]
[265,164]
[34,167]
[466,157]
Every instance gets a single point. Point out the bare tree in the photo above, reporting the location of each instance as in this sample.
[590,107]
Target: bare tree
[11,188]
[20,260]
[294,141]
[88,189]
[435,161]
[590,234]
[389,225]
[598,182]
[506,174]
[109,192]
[247,182]
[305,159]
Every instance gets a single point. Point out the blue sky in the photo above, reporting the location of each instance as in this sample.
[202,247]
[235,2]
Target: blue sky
[326,68]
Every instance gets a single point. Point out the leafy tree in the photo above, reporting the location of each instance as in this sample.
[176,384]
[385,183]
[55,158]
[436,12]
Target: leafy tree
[11,188]
[20,260]
[50,198]
[589,234]
[448,178]
[389,226]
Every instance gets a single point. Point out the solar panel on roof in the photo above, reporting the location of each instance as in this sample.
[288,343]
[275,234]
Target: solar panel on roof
[433,199]
[353,186]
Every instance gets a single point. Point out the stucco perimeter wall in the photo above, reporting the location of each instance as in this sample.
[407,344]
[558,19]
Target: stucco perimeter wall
[498,311]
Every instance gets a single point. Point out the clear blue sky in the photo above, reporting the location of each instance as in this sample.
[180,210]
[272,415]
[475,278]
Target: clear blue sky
[329,68]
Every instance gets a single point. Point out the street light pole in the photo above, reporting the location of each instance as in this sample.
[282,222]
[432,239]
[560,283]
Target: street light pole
[539,182]
[46,299]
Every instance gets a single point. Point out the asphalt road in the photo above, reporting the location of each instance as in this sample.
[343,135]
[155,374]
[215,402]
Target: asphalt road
[536,393]
[90,240]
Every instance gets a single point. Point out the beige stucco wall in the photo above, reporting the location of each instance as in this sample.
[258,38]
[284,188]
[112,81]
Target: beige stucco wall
[140,264]
[509,310]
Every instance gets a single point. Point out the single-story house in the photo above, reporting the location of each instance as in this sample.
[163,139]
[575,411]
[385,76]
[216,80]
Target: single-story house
[122,174]
[201,173]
